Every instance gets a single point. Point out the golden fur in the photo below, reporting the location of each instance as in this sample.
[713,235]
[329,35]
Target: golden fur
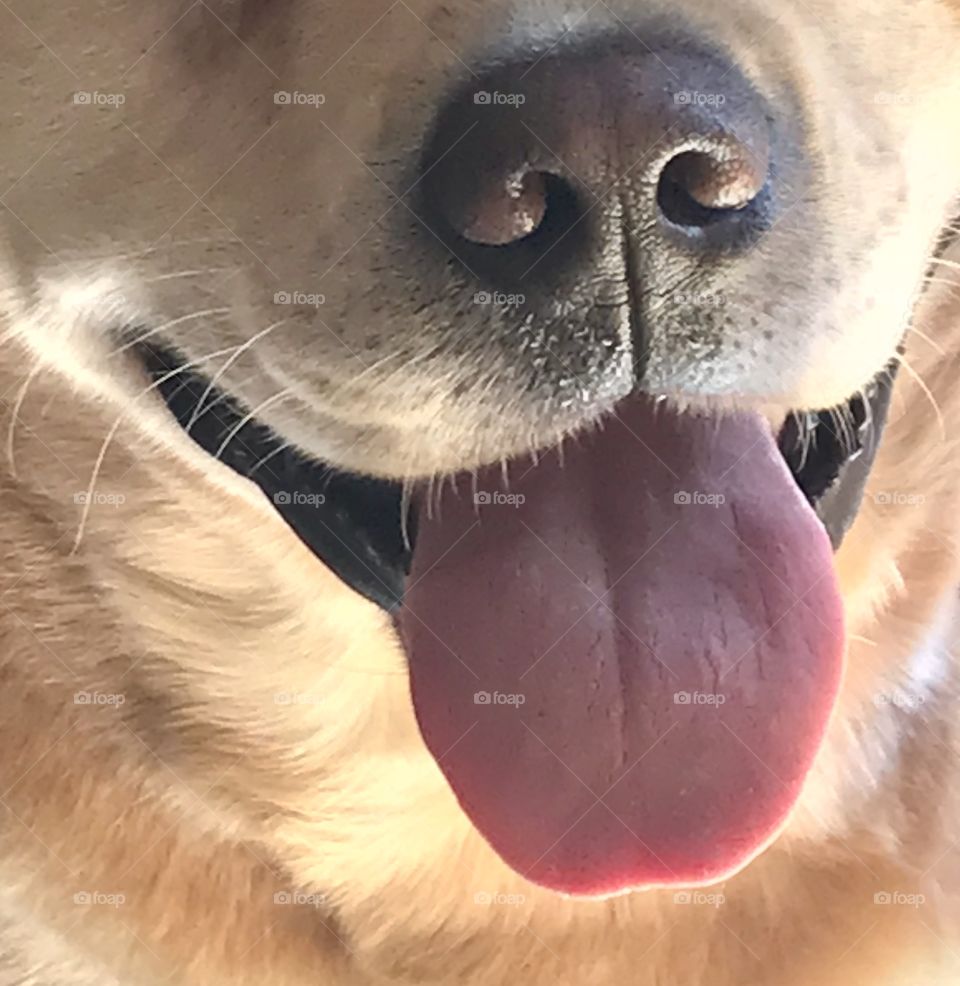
[245,797]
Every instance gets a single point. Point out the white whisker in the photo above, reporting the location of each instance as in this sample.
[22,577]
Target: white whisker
[266,458]
[205,313]
[239,351]
[928,392]
[249,416]
[102,454]
[15,415]
[926,338]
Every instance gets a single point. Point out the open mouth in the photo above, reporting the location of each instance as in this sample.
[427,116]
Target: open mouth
[623,657]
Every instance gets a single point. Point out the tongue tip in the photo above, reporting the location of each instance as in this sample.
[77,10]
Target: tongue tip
[602,885]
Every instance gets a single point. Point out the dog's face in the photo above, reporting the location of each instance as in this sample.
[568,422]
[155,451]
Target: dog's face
[426,238]
[833,126]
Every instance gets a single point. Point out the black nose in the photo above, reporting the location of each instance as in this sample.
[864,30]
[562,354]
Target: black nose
[587,153]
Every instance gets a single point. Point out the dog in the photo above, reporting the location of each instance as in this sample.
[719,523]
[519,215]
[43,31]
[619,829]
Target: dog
[480,496]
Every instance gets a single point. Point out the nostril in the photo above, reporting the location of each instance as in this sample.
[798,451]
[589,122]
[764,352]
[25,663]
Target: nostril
[505,213]
[700,188]
[527,205]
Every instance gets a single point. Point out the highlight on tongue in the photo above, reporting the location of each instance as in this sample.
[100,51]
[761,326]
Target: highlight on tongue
[624,664]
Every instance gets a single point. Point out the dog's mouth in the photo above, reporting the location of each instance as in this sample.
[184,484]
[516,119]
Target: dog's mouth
[623,656]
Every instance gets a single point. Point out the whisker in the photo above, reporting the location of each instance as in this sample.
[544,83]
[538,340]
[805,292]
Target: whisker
[199,272]
[366,371]
[927,392]
[406,504]
[15,414]
[148,250]
[249,416]
[101,455]
[240,350]
[266,458]
[205,313]
[926,338]
[942,280]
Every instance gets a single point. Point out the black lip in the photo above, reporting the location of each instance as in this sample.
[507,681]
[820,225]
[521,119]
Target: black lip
[355,524]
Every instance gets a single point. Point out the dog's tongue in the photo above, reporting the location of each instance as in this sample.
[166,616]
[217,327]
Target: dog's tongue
[624,663]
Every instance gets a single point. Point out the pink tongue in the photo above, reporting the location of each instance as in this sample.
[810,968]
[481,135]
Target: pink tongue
[625,664]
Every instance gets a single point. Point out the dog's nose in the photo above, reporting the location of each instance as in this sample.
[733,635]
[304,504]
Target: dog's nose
[601,148]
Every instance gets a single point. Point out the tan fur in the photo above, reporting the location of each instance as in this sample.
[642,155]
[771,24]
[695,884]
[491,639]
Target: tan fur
[265,748]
